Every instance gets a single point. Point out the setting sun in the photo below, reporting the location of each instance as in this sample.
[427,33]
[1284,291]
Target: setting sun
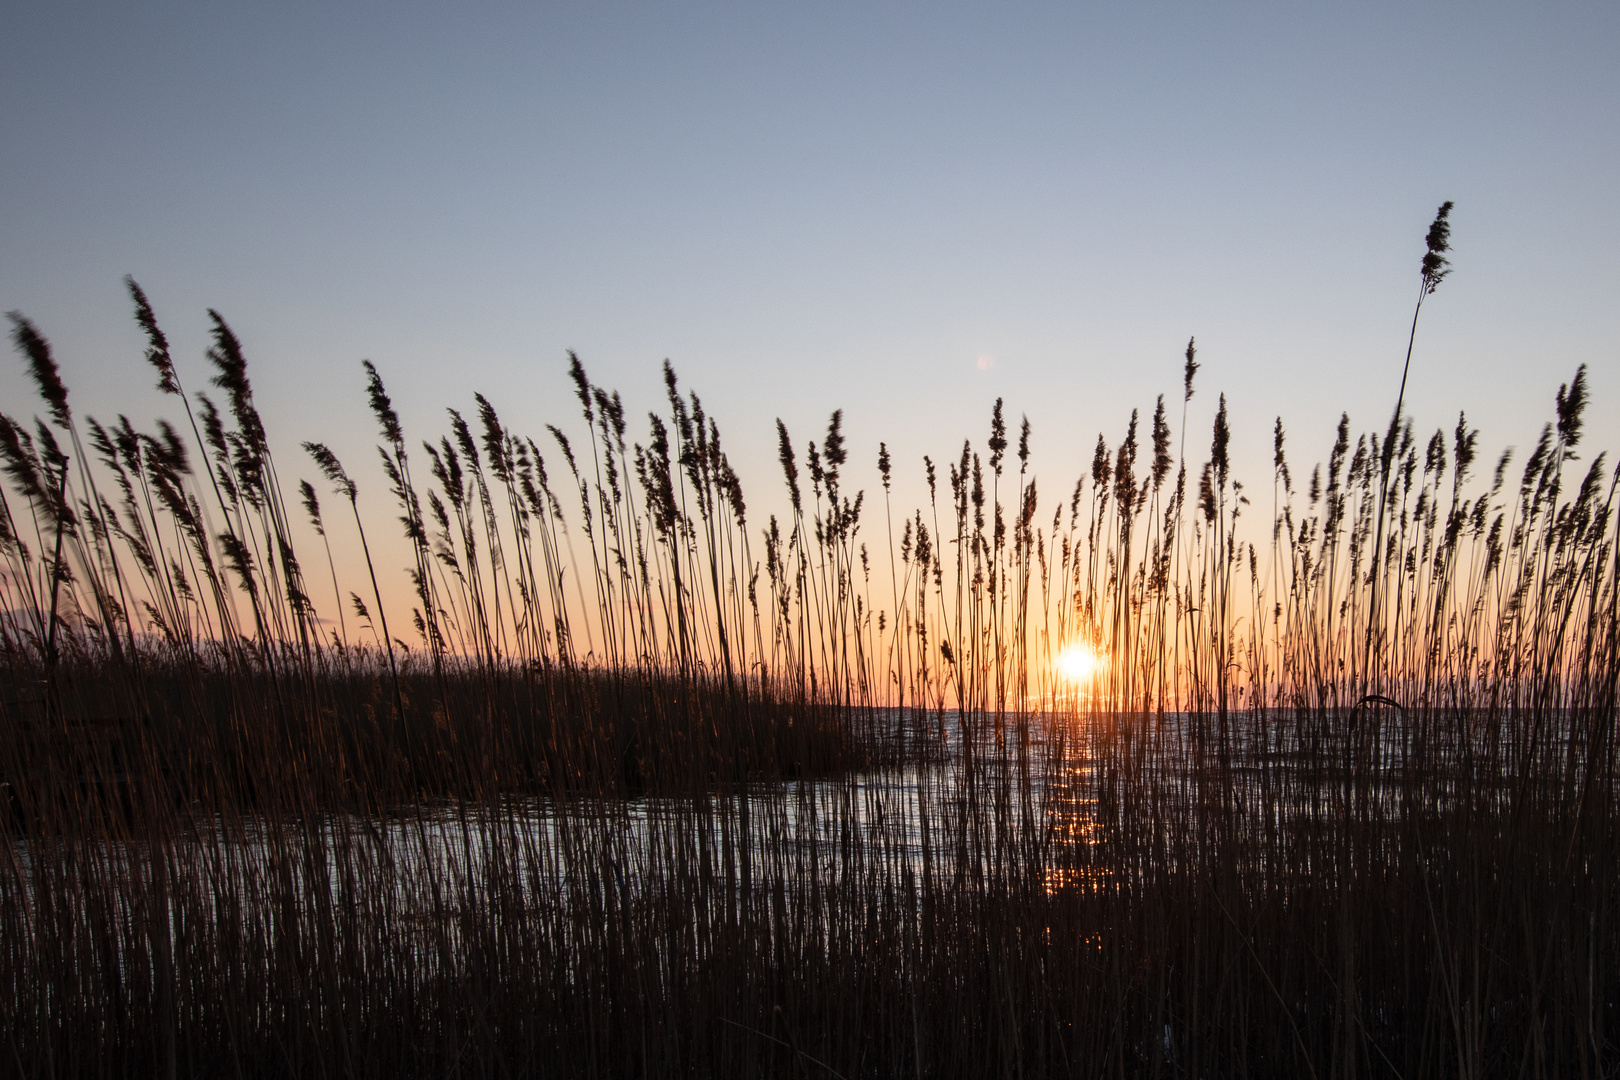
[1078,663]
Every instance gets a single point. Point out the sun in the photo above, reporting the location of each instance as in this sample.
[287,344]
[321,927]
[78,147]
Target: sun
[1078,663]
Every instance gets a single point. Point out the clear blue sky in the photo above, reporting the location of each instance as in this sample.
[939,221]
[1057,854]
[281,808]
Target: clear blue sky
[901,210]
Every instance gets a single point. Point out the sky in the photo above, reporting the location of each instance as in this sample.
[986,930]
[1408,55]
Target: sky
[904,211]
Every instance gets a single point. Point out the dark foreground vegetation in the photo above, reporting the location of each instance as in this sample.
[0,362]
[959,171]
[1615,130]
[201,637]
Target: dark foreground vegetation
[658,790]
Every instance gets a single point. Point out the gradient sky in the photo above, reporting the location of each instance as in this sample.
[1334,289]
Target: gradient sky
[901,210]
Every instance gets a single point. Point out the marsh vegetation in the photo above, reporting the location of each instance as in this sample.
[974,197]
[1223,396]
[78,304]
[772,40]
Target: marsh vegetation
[1167,776]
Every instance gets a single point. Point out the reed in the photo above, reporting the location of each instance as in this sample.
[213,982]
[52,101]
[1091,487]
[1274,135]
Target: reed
[658,788]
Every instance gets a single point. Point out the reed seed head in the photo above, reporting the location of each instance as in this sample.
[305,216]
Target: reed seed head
[312,505]
[998,437]
[1571,402]
[582,385]
[1161,445]
[833,454]
[41,366]
[1279,460]
[382,408]
[790,465]
[1101,468]
[157,345]
[1435,264]
[1191,369]
[332,469]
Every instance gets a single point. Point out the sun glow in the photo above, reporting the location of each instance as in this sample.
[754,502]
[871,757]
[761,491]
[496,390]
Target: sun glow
[1078,663]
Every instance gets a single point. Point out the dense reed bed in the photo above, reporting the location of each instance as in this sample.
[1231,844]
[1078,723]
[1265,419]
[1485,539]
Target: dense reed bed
[660,789]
